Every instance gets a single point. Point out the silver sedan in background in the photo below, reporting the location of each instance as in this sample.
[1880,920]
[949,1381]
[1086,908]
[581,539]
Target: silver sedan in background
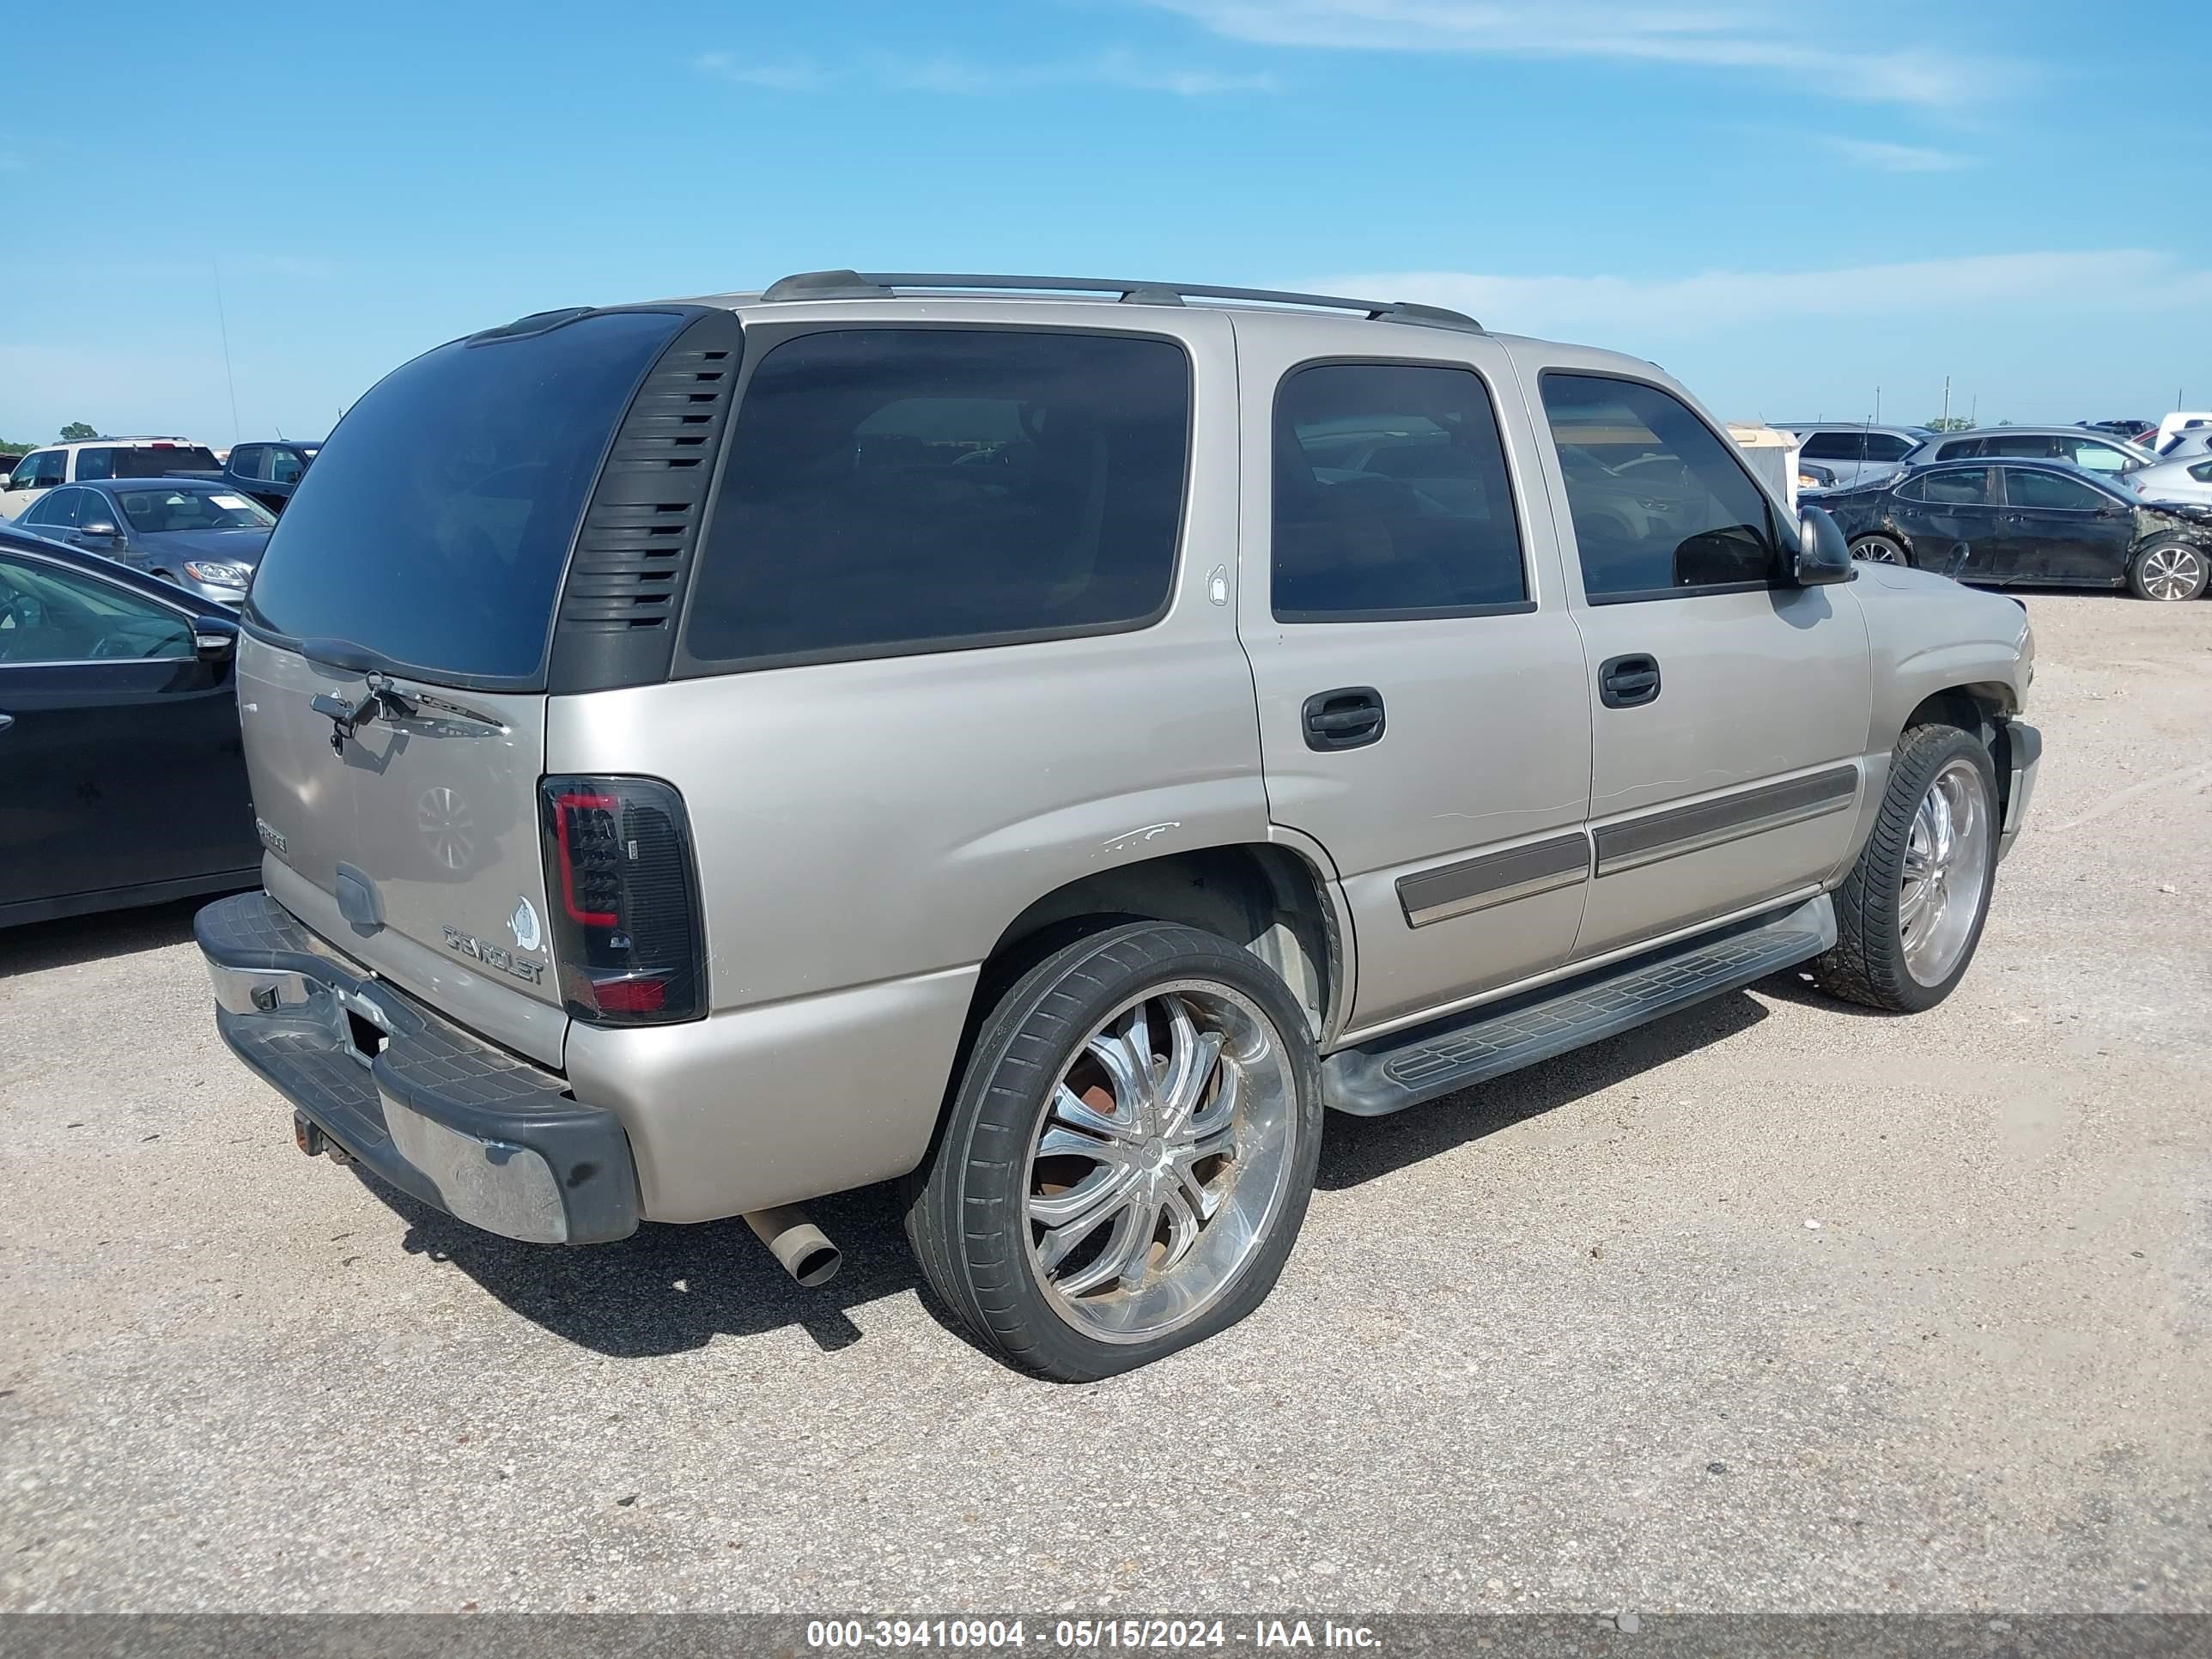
[2094,452]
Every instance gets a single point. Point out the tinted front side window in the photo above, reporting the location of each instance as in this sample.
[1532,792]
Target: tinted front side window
[909,488]
[2047,489]
[439,524]
[55,616]
[1390,494]
[1659,501]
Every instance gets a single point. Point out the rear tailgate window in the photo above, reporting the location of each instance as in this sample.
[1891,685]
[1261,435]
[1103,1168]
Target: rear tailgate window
[434,526]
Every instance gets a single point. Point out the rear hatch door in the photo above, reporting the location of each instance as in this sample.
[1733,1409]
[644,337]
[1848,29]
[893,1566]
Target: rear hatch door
[392,686]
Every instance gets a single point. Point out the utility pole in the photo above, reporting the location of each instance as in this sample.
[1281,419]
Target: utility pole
[1944,425]
[1974,411]
[1877,406]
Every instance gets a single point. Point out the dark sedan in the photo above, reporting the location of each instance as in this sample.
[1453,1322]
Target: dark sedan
[2027,522]
[118,738]
[203,538]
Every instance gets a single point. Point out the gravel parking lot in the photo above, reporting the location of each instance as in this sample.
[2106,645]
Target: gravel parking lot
[1776,1305]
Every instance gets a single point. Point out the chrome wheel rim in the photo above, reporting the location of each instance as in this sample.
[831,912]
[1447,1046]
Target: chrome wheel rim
[1161,1160]
[2173,573]
[1947,862]
[1879,550]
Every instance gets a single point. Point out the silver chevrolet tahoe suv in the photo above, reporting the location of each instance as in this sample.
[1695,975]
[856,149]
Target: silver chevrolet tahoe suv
[1048,740]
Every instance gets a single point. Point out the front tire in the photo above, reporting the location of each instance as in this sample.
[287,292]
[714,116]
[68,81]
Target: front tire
[1128,1154]
[2168,571]
[1909,916]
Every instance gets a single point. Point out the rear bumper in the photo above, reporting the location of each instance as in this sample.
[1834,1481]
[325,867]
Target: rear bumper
[2020,751]
[487,1138]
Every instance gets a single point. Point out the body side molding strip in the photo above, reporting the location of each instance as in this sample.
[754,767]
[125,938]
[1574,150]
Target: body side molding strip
[1677,830]
[1492,879]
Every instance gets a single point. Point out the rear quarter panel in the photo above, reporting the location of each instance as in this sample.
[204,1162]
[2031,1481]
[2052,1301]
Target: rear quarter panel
[866,830]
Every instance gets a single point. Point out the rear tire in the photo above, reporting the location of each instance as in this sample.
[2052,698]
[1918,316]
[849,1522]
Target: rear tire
[1880,549]
[2168,571]
[1909,916]
[1085,1214]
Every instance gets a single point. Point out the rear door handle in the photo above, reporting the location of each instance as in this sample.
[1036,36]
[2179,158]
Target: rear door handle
[1628,682]
[1350,717]
[6,721]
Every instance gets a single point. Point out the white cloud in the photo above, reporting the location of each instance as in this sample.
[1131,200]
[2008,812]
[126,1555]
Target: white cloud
[1895,158]
[966,77]
[1622,309]
[1113,68]
[1802,41]
[795,76]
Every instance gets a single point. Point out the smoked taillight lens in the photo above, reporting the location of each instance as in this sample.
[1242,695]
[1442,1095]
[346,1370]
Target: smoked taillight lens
[625,901]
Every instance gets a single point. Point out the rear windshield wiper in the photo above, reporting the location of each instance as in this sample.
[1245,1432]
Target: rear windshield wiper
[379,696]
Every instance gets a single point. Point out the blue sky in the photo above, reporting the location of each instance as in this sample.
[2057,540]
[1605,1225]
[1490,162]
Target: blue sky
[1787,205]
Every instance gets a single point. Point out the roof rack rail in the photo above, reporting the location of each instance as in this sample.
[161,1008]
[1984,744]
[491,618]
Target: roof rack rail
[880,285]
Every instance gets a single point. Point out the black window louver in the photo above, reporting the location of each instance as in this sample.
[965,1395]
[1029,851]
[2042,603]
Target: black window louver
[635,547]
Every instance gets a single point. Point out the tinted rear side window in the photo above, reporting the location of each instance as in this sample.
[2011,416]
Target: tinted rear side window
[436,522]
[1833,447]
[1968,487]
[1390,496]
[153,461]
[904,488]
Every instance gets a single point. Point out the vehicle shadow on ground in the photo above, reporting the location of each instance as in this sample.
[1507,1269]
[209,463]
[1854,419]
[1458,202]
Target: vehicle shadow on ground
[671,1289]
[1797,986]
[36,945]
[1356,1149]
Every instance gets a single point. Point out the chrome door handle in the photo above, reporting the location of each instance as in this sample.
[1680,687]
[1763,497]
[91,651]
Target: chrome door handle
[6,721]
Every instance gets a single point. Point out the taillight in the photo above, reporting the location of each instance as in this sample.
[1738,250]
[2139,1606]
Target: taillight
[626,935]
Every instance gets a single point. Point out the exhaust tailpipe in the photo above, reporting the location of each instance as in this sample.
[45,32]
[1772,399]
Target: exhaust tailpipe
[797,1244]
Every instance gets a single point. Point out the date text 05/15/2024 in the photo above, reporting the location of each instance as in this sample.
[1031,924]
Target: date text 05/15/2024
[1086,1635]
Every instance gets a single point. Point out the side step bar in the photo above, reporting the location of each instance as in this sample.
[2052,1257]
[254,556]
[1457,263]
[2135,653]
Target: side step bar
[1408,1067]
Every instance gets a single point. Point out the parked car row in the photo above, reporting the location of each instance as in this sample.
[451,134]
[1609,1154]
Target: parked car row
[206,537]
[267,472]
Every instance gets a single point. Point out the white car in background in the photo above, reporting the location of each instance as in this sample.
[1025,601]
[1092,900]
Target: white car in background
[2188,446]
[2182,478]
[2182,420]
[95,458]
